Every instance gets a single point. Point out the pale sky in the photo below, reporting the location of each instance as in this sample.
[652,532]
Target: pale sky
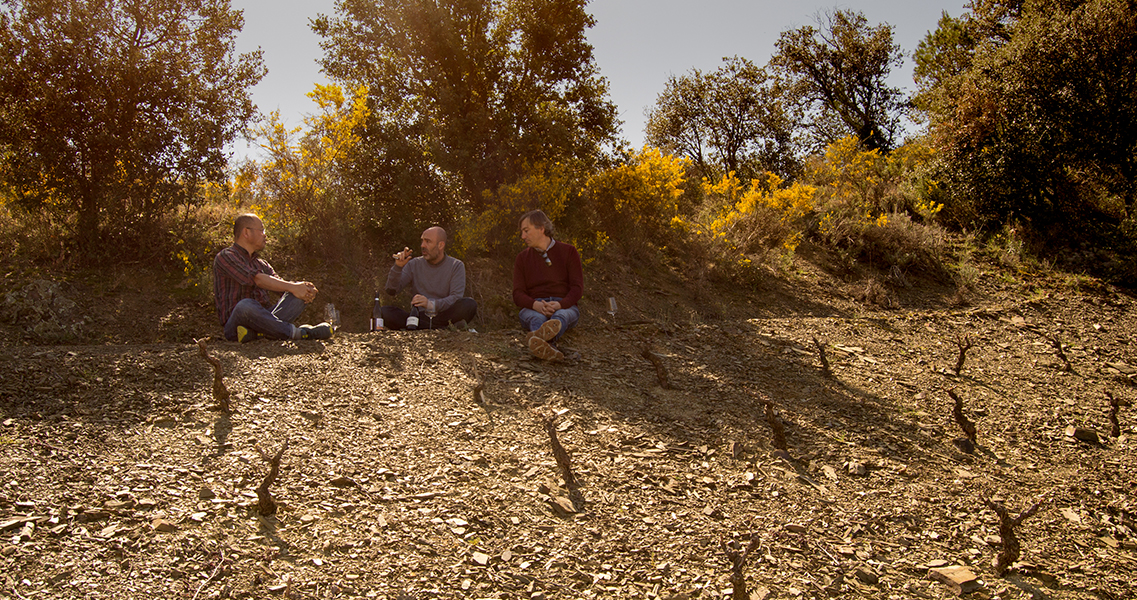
[637,44]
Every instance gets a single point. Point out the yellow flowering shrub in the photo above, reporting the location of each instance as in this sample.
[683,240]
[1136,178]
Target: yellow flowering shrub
[867,201]
[640,197]
[764,215]
[852,175]
[634,201]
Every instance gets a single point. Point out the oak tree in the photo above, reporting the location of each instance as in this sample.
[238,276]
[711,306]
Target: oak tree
[733,119]
[1036,116]
[113,111]
[839,73]
[468,92]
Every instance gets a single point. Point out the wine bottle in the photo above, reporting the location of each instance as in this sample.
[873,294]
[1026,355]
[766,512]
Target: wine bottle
[377,315]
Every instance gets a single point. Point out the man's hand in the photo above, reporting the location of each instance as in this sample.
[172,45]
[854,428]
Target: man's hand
[419,300]
[305,291]
[546,308]
[402,258]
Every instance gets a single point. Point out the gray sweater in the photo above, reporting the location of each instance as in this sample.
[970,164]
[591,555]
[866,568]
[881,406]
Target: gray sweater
[445,283]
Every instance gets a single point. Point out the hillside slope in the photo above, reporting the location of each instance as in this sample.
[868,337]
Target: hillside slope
[122,480]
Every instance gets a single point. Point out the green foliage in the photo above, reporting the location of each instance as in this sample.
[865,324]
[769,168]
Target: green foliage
[550,188]
[1035,115]
[30,237]
[943,55]
[470,92]
[196,233]
[839,73]
[731,120]
[113,112]
[632,202]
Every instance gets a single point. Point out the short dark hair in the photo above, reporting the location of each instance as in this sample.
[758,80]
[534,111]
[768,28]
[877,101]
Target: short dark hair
[538,218]
[241,222]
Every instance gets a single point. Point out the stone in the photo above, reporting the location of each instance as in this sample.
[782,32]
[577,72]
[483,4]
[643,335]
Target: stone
[959,579]
[866,576]
[1071,515]
[43,309]
[163,525]
[964,445]
[1086,435]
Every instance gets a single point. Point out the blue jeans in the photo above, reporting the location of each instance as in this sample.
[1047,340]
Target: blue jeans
[532,320]
[275,324]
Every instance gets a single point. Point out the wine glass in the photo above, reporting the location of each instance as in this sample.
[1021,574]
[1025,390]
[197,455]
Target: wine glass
[431,311]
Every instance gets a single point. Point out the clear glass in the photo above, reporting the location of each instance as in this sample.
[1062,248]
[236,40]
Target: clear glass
[431,312]
[332,315]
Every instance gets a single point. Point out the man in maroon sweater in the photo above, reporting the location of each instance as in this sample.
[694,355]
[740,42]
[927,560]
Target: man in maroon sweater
[547,284]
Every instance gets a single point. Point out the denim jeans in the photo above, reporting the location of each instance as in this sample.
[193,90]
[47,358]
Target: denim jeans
[532,319]
[275,324]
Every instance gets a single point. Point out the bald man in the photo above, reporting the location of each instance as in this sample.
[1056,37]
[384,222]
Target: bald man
[435,279]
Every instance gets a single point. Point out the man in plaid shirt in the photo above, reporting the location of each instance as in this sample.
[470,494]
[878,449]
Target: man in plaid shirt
[241,283]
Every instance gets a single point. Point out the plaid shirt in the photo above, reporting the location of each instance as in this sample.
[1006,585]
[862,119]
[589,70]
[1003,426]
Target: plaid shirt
[233,273]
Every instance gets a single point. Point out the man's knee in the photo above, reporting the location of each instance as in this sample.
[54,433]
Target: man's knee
[246,307]
[465,309]
[568,316]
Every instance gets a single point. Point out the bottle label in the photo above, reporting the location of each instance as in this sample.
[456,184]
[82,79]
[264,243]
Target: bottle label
[412,322]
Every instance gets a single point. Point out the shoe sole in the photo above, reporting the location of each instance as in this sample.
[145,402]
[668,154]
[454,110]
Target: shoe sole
[244,335]
[548,330]
[543,350]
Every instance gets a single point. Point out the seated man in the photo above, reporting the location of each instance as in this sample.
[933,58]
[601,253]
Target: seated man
[547,284]
[437,282]
[241,283]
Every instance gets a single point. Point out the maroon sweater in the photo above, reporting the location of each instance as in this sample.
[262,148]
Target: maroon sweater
[533,279]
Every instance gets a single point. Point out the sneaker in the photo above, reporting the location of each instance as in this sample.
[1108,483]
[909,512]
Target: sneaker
[244,334]
[548,330]
[544,350]
[322,331]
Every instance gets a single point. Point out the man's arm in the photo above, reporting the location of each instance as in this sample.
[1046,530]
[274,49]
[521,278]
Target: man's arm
[575,280]
[303,290]
[231,264]
[457,287]
[397,279]
[521,295]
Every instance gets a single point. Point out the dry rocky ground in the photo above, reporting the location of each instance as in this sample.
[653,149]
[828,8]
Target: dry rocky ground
[119,478]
